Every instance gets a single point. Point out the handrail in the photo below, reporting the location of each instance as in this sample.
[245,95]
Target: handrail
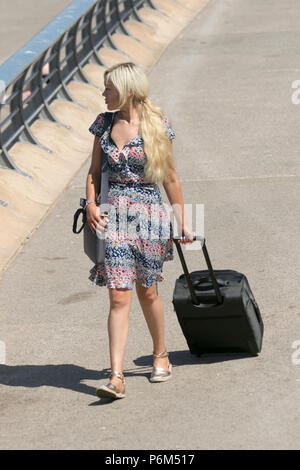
[40,71]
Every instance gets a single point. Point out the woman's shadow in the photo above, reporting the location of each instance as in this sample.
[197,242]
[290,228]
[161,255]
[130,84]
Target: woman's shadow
[72,377]
[67,376]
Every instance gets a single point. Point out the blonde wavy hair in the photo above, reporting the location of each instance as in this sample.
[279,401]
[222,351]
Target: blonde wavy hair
[128,77]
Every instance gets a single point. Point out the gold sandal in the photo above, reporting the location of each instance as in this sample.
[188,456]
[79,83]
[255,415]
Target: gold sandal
[158,373]
[109,390]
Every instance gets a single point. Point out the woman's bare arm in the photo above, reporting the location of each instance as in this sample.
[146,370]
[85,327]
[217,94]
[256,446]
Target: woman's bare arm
[173,190]
[92,188]
[94,173]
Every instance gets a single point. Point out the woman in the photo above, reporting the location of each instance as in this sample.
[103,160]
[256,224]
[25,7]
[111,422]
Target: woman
[138,147]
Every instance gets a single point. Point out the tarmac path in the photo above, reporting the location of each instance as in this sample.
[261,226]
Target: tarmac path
[21,20]
[226,85]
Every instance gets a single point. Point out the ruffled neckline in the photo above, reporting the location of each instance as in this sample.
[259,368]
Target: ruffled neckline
[137,137]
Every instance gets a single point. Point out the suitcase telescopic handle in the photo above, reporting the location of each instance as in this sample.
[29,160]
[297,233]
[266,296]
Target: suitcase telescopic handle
[209,266]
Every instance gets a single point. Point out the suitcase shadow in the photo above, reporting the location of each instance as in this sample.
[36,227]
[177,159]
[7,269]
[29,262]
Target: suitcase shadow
[185,357]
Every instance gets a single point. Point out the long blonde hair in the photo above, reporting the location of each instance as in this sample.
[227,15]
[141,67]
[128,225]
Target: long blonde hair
[128,77]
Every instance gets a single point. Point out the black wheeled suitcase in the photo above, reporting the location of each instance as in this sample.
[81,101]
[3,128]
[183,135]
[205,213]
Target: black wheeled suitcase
[216,309]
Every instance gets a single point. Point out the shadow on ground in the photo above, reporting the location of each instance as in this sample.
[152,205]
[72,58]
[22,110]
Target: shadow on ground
[71,377]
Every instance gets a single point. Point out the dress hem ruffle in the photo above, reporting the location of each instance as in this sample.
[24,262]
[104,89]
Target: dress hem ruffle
[99,280]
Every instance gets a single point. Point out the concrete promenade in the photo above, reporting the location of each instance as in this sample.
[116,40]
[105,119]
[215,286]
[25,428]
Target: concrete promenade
[20,21]
[226,85]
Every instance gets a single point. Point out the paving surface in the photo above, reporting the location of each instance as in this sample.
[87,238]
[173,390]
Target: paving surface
[21,20]
[226,85]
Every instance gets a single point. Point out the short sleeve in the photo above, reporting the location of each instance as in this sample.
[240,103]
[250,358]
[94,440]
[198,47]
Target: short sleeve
[97,126]
[169,131]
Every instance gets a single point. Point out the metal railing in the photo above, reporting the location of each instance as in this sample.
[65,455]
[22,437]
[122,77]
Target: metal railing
[39,72]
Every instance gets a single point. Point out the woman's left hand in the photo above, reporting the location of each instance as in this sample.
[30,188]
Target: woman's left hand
[188,235]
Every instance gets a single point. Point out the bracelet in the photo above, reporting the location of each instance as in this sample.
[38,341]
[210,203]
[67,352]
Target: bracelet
[89,201]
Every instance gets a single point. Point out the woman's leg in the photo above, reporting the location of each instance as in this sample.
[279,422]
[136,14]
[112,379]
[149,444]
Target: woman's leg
[118,327]
[153,311]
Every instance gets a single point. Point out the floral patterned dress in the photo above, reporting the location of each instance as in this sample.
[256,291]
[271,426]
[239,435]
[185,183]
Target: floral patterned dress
[139,232]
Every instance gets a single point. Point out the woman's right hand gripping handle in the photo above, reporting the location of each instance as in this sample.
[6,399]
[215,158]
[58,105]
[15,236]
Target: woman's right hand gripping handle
[96,220]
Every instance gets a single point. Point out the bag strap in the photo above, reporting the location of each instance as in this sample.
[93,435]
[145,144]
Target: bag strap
[107,120]
[76,216]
